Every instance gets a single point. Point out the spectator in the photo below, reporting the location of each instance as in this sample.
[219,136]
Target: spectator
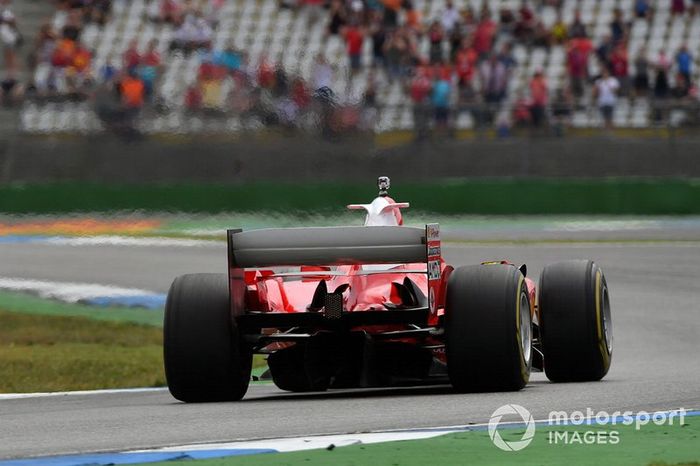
[419,91]
[281,85]
[525,26]
[540,95]
[436,36]
[338,17]
[43,46]
[484,35]
[641,74]
[619,65]
[618,28]
[193,99]
[577,28]
[377,33]
[494,80]
[322,75]
[604,51]
[354,38]
[465,61]
[229,59]
[413,18]
[440,99]
[677,7]
[10,39]
[560,32]
[73,27]
[605,91]
[562,109]
[449,17]
[132,91]
[149,67]
[391,12]
[506,19]
[108,71]
[684,62]
[396,53]
[577,64]
[132,57]
[662,66]
[642,9]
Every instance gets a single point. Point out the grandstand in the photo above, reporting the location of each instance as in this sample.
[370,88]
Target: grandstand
[294,38]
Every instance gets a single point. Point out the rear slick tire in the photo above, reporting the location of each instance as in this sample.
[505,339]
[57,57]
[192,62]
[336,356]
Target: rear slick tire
[488,329]
[575,321]
[204,357]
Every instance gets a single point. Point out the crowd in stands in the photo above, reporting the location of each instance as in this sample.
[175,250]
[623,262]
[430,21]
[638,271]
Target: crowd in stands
[468,65]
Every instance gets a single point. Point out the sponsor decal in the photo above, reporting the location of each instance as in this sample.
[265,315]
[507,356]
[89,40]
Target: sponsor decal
[433,231]
[434,270]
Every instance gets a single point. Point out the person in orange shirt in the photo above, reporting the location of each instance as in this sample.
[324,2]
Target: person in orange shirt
[132,91]
[539,94]
[81,59]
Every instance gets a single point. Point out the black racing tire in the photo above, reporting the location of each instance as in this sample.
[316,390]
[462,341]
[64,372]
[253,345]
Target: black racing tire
[488,329]
[575,321]
[204,357]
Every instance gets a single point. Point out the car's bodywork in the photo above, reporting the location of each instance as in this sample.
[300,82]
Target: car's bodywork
[378,288]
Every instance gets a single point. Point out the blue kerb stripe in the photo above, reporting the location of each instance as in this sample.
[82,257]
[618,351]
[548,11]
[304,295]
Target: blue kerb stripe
[23,239]
[148,301]
[131,458]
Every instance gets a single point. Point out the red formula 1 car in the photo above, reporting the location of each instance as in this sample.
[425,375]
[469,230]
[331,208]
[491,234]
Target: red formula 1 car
[376,305]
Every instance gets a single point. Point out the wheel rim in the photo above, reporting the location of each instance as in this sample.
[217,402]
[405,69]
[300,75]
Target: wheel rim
[525,328]
[607,321]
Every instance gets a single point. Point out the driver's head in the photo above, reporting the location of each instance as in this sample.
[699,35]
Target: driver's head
[383,183]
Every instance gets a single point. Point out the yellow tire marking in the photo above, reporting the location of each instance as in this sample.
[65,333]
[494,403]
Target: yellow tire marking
[523,363]
[601,337]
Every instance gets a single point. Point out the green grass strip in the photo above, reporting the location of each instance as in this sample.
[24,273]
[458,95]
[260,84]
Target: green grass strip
[41,353]
[28,304]
[651,445]
[78,339]
[654,196]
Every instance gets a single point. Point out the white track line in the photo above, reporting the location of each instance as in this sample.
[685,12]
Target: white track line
[129,241]
[17,396]
[69,292]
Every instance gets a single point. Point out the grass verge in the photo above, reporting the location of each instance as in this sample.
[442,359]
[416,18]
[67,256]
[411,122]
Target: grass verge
[47,345]
[651,445]
[40,353]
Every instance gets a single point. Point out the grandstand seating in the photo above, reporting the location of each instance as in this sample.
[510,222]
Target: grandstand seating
[261,28]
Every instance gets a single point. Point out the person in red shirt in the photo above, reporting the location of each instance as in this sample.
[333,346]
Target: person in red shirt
[465,60]
[619,67]
[577,63]
[539,94]
[132,57]
[483,36]
[354,38]
[419,90]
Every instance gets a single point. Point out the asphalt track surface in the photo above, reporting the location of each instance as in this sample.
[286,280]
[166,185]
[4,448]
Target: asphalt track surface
[655,293]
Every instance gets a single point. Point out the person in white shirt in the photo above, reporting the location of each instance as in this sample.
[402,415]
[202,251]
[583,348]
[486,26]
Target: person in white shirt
[450,17]
[605,91]
[9,38]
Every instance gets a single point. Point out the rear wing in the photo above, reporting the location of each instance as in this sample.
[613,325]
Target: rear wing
[334,246]
[326,246]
